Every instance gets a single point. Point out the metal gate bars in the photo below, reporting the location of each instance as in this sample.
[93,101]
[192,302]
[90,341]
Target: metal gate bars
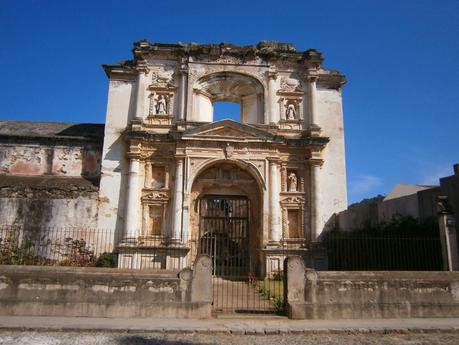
[224,236]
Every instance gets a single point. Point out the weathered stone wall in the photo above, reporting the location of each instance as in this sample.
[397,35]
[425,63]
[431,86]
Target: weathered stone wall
[49,174]
[358,295]
[32,160]
[101,292]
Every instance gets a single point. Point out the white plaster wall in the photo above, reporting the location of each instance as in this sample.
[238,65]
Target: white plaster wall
[332,174]
[120,109]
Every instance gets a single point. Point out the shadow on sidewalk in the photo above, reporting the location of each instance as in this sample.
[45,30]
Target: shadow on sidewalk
[153,340]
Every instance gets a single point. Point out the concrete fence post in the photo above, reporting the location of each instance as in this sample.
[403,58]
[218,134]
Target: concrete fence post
[294,287]
[201,285]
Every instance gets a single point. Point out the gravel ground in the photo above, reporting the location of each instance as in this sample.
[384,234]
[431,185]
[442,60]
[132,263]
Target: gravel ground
[114,338]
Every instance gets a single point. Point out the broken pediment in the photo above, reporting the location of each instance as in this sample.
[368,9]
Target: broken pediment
[227,130]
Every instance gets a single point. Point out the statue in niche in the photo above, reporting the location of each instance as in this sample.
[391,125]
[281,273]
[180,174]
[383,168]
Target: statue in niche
[292,182]
[161,106]
[290,112]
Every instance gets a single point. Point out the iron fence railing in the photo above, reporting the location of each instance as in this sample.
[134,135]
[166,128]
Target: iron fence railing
[376,252]
[69,246]
[79,246]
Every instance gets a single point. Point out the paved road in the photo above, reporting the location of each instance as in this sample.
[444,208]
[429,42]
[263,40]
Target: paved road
[118,338]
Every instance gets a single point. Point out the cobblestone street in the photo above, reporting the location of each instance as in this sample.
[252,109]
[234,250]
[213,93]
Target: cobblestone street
[119,338]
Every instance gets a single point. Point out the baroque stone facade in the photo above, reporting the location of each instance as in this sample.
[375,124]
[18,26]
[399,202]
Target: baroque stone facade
[163,152]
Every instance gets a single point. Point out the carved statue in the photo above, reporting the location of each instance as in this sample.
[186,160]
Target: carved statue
[161,106]
[290,113]
[292,182]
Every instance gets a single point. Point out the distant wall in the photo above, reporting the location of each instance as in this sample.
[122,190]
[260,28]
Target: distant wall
[421,205]
[102,292]
[359,294]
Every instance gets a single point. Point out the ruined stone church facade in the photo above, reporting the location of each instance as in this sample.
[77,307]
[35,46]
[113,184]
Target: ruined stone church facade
[170,172]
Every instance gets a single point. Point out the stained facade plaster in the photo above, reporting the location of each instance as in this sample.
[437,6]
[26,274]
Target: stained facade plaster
[160,121]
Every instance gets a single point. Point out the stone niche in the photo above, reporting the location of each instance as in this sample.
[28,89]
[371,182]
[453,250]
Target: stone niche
[156,216]
[158,177]
[293,204]
[161,99]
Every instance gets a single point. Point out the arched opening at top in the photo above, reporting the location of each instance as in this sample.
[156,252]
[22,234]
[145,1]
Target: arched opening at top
[224,88]
[227,110]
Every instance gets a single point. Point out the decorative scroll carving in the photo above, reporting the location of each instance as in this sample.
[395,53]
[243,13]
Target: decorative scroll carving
[296,200]
[290,85]
[156,196]
[229,60]
[163,78]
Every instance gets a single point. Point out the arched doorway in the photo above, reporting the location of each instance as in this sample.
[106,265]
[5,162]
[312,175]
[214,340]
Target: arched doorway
[226,219]
[226,223]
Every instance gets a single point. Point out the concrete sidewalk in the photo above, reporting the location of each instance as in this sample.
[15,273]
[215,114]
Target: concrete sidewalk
[228,325]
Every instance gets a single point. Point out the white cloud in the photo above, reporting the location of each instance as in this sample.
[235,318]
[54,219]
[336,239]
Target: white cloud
[363,184]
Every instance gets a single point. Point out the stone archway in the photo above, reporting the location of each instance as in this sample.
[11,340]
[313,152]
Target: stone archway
[228,181]
[228,86]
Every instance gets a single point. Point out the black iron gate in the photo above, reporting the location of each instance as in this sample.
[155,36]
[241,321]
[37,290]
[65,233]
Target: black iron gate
[224,223]
[225,237]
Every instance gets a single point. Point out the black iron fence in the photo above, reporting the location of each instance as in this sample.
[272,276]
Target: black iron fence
[72,246]
[378,252]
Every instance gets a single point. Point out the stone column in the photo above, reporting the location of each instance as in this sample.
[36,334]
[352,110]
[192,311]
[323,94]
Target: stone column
[273,108]
[132,220]
[166,176]
[316,224]
[284,177]
[183,93]
[312,101]
[275,217]
[147,180]
[177,208]
[140,100]
[285,227]
[145,216]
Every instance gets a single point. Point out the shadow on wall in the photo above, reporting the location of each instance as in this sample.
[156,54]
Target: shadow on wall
[152,340]
[85,130]
[116,153]
[92,150]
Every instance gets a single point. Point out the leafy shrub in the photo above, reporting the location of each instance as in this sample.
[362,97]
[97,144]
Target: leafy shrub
[13,253]
[278,303]
[107,260]
[76,253]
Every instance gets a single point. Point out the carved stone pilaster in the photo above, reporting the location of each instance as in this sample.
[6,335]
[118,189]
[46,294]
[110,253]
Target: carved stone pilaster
[284,177]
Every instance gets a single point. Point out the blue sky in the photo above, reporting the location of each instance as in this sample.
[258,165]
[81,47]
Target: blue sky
[401,58]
